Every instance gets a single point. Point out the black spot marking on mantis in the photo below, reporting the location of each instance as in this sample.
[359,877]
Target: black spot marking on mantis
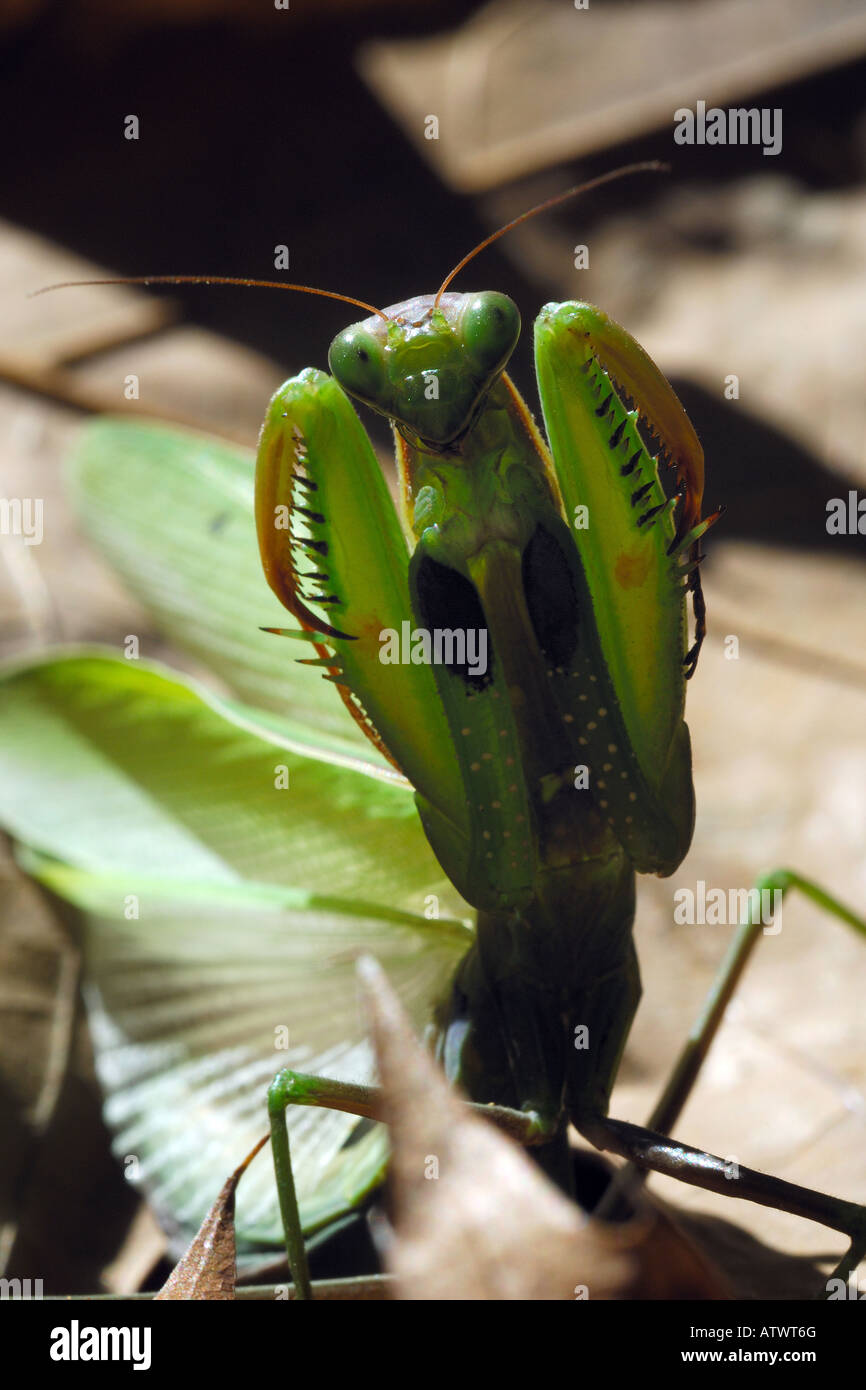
[311,516]
[305,482]
[602,410]
[632,463]
[447,599]
[551,599]
[641,492]
[320,547]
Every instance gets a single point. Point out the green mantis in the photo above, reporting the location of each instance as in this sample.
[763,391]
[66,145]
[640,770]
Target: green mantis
[546,780]
[536,594]
[529,841]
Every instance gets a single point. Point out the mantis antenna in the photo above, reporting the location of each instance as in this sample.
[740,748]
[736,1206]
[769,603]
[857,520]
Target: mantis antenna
[213,280]
[644,167]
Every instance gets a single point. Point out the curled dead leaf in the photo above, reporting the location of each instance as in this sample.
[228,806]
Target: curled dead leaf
[208,1270]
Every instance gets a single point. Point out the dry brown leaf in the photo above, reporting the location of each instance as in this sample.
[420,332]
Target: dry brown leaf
[208,1270]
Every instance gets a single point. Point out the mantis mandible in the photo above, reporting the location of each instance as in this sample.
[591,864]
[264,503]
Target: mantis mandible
[554,764]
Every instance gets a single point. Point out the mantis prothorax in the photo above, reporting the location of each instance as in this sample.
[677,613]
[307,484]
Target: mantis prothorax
[552,771]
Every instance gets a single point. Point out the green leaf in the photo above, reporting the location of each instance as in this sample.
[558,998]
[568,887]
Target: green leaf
[172,511]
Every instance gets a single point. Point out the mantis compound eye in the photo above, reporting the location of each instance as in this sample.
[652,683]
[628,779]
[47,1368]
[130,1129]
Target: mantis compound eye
[490,328]
[357,362]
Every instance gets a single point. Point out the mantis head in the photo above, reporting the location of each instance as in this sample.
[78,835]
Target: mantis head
[429,362]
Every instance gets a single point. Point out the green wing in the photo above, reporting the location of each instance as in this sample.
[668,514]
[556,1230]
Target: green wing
[130,794]
[196,1004]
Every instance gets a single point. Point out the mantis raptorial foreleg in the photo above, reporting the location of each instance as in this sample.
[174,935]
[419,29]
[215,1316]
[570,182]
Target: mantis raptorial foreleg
[633,372]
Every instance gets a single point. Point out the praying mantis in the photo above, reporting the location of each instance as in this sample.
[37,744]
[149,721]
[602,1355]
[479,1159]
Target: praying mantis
[571,763]
[554,766]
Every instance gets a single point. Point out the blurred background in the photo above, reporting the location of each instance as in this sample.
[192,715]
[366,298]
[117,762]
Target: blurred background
[309,126]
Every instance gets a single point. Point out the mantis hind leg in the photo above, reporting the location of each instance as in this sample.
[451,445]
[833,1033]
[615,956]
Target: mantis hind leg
[697,1045]
[648,1149]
